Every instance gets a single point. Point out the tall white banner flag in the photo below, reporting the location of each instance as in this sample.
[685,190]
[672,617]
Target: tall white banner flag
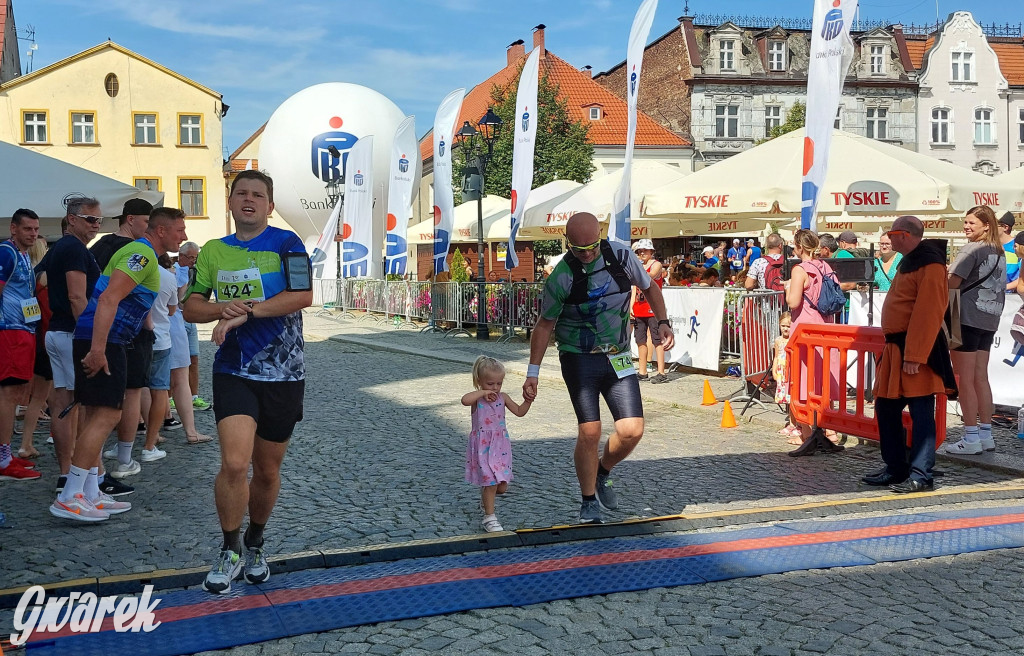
[400,191]
[323,267]
[358,212]
[621,210]
[444,197]
[522,150]
[831,54]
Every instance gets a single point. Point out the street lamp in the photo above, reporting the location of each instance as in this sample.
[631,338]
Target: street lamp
[473,189]
[336,193]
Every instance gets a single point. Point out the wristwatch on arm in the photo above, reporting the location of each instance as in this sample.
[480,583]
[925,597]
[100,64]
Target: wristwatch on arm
[665,322]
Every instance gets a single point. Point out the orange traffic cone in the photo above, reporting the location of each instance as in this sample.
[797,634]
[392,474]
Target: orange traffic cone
[728,418]
[709,396]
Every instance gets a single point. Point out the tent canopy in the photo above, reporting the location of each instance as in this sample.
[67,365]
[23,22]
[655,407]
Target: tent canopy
[40,183]
[865,176]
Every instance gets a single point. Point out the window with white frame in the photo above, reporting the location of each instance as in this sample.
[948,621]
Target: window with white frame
[962,66]
[727,55]
[877,60]
[727,120]
[838,123]
[190,130]
[984,127]
[595,113]
[83,128]
[772,118]
[145,128]
[942,131]
[878,123]
[776,55]
[35,127]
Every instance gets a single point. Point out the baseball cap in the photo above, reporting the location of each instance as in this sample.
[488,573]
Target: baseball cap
[135,206]
[643,244]
[1007,219]
[709,249]
[1019,239]
[848,236]
[736,241]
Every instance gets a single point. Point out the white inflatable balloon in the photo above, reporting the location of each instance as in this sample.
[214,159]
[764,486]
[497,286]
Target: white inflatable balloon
[295,152]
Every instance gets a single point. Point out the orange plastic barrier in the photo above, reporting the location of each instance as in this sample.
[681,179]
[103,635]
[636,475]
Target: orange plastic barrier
[820,354]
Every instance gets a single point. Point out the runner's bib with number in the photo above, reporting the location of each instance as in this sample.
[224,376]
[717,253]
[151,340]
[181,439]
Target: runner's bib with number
[622,363]
[244,285]
[30,309]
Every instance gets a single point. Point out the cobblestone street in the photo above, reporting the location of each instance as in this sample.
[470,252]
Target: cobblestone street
[379,459]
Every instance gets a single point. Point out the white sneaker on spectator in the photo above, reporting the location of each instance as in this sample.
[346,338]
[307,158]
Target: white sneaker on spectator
[120,471]
[988,445]
[111,453]
[963,448]
[109,504]
[149,455]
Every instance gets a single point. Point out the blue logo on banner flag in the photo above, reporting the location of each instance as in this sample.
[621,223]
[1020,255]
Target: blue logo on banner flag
[440,148]
[354,260]
[326,166]
[403,165]
[632,82]
[357,179]
[396,254]
[526,121]
[833,23]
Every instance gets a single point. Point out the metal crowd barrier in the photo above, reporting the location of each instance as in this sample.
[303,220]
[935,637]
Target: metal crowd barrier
[756,314]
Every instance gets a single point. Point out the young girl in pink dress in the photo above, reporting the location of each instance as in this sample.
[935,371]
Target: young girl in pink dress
[489,454]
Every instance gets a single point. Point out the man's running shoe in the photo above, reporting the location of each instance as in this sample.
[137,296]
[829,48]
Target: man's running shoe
[199,403]
[172,423]
[257,569]
[13,472]
[590,512]
[121,471]
[141,430]
[114,487]
[227,568]
[24,463]
[111,453]
[78,509]
[107,503]
[606,495]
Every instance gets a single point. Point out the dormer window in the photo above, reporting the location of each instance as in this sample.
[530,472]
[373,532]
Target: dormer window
[595,113]
[727,55]
[776,55]
[877,62]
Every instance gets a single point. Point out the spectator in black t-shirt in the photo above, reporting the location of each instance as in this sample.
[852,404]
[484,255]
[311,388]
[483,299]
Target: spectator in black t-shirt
[71,273]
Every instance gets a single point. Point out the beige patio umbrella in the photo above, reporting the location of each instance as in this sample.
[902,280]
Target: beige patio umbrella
[865,177]
[547,220]
[465,221]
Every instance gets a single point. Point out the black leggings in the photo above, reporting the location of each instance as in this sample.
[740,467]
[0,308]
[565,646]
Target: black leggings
[588,375]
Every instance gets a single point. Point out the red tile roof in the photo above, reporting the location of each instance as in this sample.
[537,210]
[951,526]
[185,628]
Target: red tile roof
[579,91]
[1011,61]
[917,49]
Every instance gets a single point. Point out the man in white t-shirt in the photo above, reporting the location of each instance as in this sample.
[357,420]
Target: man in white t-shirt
[159,381]
[771,264]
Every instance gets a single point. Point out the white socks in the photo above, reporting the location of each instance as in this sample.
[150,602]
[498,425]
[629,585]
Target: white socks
[972,436]
[92,485]
[124,452]
[75,483]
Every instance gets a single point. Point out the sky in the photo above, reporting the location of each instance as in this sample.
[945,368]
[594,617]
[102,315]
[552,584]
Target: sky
[257,53]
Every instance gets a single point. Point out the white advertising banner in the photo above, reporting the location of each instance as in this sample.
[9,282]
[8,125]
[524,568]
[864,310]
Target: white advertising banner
[830,57]
[444,197]
[400,192]
[619,230]
[324,267]
[526,117]
[696,316]
[1006,360]
[357,225]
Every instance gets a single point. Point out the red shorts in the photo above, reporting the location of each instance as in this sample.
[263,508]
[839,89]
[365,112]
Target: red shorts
[19,356]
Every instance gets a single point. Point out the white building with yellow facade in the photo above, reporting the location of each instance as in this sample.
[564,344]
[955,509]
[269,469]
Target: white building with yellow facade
[119,114]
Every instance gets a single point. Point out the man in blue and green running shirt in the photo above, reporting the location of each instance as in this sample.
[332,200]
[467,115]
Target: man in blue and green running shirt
[258,372]
[116,310]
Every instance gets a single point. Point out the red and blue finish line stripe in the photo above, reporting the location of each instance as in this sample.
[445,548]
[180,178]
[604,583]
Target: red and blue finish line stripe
[323,600]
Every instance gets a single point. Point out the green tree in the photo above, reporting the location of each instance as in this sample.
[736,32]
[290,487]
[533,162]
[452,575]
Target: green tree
[458,267]
[796,117]
[562,150]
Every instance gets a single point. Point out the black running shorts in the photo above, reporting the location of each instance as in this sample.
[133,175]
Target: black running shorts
[104,390]
[589,376]
[140,359]
[276,406]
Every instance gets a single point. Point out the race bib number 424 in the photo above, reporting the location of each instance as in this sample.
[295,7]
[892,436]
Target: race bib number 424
[245,285]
